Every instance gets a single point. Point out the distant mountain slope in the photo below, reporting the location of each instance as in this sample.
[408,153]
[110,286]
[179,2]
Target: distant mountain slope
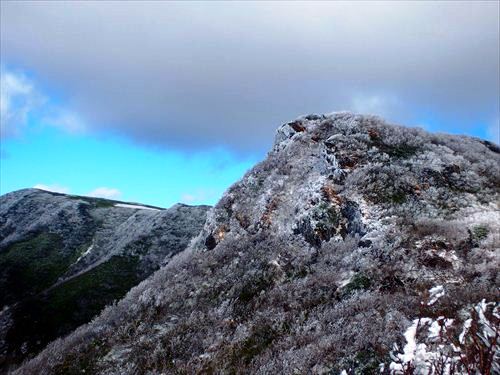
[63,258]
[356,247]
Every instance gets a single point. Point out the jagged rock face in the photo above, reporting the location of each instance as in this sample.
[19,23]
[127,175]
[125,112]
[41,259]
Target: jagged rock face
[64,258]
[319,261]
[325,173]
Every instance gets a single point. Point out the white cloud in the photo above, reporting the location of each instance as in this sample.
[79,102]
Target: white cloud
[100,192]
[66,120]
[20,98]
[17,98]
[53,188]
[105,192]
[254,65]
[381,105]
[188,198]
[200,196]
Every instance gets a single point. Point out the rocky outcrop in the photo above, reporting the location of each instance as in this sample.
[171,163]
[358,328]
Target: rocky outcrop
[353,245]
[64,258]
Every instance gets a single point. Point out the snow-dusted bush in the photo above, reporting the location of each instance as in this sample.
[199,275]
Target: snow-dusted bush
[258,292]
[444,346]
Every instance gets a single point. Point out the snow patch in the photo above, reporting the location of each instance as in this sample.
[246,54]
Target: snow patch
[419,356]
[90,248]
[435,348]
[435,293]
[346,279]
[134,206]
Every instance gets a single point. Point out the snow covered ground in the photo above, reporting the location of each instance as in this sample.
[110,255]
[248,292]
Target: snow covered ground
[136,207]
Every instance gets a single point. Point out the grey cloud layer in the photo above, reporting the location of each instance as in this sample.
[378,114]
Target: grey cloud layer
[198,74]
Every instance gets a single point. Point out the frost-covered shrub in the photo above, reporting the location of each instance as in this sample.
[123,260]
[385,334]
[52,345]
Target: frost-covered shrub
[445,346]
[334,296]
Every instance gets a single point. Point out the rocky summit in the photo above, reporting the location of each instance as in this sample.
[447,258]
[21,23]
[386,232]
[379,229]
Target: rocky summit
[64,258]
[355,247]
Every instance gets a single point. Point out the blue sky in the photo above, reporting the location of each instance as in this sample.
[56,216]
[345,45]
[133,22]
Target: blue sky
[113,167]
[50,147]
[165,102]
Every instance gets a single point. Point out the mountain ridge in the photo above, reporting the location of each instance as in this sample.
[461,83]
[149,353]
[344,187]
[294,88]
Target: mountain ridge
[355,247]
[58,251]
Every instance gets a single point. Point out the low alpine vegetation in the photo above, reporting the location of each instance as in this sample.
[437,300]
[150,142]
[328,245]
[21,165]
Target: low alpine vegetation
[356,247]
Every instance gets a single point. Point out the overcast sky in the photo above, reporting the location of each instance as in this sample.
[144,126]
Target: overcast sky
[201,76]
[194,74]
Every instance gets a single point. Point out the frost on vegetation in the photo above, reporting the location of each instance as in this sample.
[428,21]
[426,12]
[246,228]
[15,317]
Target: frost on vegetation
[433,346]
[312,263]
[135,206]
[75,256]
[435,293]
[86,252]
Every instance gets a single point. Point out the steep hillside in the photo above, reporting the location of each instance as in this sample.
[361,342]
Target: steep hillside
[64,258]
[356,247]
